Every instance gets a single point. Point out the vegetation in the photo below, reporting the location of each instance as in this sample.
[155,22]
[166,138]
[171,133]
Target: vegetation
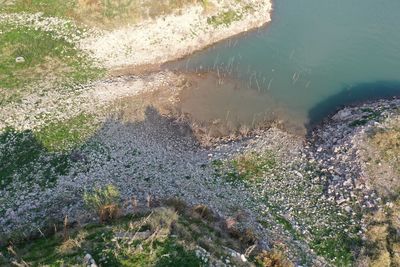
[157,237]
[104,201]
[24,158]
[250,167]
[66,135]
[224,18]
[387,143]
[43,154]
[272,259]
[120,243]
[46,59]
[100,13]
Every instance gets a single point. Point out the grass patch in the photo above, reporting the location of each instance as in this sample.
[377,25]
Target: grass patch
[55,8]
[159,237]
[47,59]
[40,157]
[337,246]
[250,167]
[372,115]
[224,18]
[111,245]
[387,143]
[101,13]
[24,159]
[104,201]
[62,136]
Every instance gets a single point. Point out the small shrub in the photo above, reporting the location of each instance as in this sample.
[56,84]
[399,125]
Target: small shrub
[104,201]
[176,203]
[204,212]
[161,221]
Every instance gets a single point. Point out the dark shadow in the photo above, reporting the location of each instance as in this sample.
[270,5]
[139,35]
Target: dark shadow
[22,153]
[24,159]
[360,93]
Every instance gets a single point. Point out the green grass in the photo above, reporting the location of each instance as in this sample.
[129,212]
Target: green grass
[100,241]
[47,59]
[372,115]
[171,241]
[224,18]
[24,159]
[44,154]
[100,13]
[249,167]
[338,247]
[56,8]
[65,135]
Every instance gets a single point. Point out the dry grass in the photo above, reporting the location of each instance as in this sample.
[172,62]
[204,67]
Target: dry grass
[382,245]
[104,201]
[382,158]
[112,14]
[103,13]
[387,143]
[273,259]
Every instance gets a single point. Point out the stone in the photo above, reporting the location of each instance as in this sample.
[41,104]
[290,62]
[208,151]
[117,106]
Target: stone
[342,115]
[87,259]
[19,60]
[348,209]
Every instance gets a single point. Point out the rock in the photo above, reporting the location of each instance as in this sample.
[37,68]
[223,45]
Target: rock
[243,258]
[342,115]
[19,60]
[348,209]
[87,258]
[348,183]
[133,236]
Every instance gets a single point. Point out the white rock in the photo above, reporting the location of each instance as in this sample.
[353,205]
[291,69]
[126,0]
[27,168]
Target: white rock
[87,258]
[342,115]
[19,60]
[348,209]
[243,258]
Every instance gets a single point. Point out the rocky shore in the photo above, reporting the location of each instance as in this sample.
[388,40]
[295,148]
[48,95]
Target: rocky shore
[310,197]
[321,177]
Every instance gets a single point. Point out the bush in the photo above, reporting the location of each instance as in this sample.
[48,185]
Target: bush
[104,201]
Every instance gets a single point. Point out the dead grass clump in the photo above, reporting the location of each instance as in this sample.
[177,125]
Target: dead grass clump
[72,245]
[161,220]
[248,237]
[177,204]
[204,212]
[273,259]
[105,201]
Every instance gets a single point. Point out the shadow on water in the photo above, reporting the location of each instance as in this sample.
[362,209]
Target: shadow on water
[357,94]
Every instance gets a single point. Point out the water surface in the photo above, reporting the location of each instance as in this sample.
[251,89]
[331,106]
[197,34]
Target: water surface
[314,56]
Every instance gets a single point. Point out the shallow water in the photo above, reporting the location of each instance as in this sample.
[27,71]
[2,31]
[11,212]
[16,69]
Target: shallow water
[314,57]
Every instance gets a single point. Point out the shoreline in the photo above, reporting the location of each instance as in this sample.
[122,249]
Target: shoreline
[328,119]
[188,32]
[159,155]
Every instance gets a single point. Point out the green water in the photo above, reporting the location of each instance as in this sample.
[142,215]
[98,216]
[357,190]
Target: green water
[314,56]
